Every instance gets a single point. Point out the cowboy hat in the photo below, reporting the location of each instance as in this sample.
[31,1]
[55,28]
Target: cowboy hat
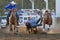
[13,2]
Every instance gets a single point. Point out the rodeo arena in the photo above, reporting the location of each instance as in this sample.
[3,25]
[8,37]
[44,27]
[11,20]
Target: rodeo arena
[34,24]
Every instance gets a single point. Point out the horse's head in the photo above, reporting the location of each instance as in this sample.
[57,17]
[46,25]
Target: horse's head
[46,15]
[46,12]
[14,9]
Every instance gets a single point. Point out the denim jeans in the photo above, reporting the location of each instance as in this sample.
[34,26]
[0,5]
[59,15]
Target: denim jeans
[9,13]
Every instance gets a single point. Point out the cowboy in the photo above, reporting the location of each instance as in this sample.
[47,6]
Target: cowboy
[10,6]
[33,23]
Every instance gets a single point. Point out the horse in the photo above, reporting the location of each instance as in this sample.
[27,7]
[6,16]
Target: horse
[47,19]
[13,21]
[31,29]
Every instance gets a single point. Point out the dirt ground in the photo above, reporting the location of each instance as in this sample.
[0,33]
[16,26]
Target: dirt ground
[24,35]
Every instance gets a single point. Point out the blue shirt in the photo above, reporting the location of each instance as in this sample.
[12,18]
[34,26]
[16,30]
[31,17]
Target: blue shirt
[32,21]
[9,6]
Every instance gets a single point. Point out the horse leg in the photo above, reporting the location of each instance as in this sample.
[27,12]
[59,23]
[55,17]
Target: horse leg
[13,28]
[49,27]
[43,27]
[28,27]
[16,28]
[35,30]
[29,30]
[10,27]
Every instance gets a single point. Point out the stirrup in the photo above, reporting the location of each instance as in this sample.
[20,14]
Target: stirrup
[7,22]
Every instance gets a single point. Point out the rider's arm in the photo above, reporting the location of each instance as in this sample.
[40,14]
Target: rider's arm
[6,7]
[15,7]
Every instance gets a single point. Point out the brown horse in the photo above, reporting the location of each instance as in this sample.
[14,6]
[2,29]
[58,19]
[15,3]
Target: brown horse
[47,19]
[13,20]
[31,29]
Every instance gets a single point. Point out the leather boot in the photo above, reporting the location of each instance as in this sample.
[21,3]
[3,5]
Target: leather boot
[7,22]
[18,23]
